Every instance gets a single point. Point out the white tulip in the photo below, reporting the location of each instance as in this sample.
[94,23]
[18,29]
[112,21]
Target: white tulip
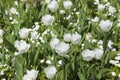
[13,10]
[34,35]
[50,71]
[24,32]
[98,53]
[53,5]
[47,20]
[32,74]
[67,37]
[54,42]
[88,55]
[67,4]
[75,38]
[22,46]
[62,48]
[101,7]
[105,25]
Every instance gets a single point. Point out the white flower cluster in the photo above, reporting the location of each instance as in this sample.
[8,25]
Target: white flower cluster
[60,47]
[74,38]
[31,75]
[88,55]
[116,61]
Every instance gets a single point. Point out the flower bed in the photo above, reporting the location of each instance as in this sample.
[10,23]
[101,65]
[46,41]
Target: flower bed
[60,40]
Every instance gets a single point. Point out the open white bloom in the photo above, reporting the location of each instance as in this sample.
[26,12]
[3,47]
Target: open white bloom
[75,38]
[34,35]
[50,71]
[105,25]
[54,42]
[98,53]
[67,37]
[62,48]
[88,55]
[111,9]
[31,75]
[101,7]
[47,20]
[21,46]
[24,32]
[53,5]
[67,4]
[13,10]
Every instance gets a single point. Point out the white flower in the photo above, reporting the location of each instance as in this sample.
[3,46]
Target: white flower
[67,4]
[62,48]
[96,2]
[88,36]
[3,79]
[53,6]
[117,58]
[54,42]
[48,62]
[111,9]
[31,75]
[24,32]
[62,11]
[98,53]
[95,19]
[1,32]
[47,1]
[60,62]
[14,21]
[22,46]
[101,7]
[105,25]
[67,37]
[110,43]
[34,35]
[113,73]
[114,62]
[50,71]
[16,2]
[88,55]
[75,38]
[26,77]
[13,10]
[47,20]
